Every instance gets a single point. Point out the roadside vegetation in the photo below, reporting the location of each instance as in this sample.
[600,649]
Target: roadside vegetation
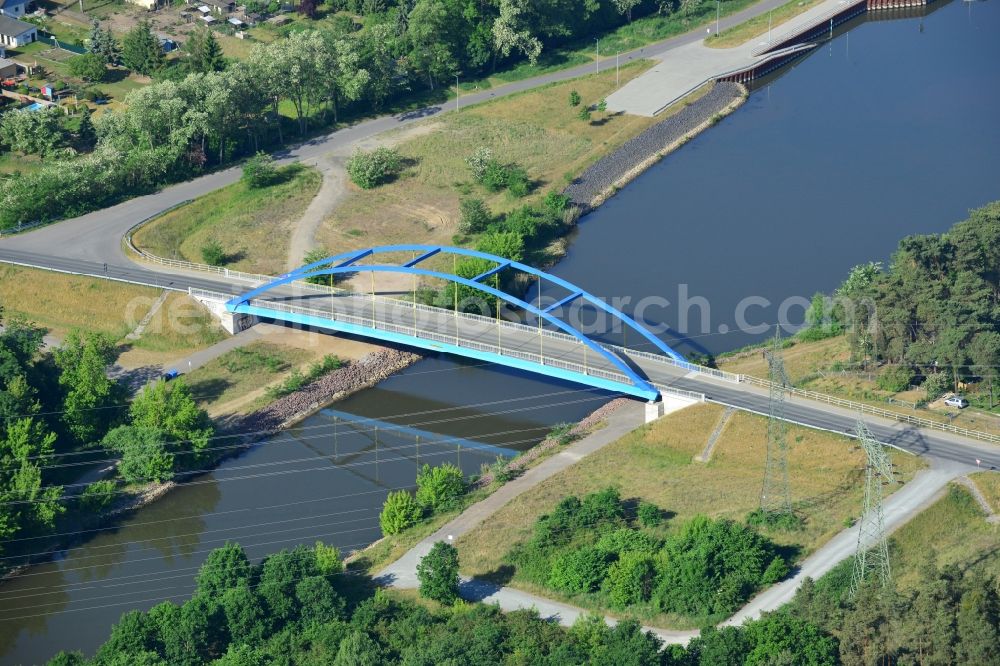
[655,465]
[244,226]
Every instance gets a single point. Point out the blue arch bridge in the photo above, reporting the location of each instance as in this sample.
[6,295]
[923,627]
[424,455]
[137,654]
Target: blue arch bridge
[553,346]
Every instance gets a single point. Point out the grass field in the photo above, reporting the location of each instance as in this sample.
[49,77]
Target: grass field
[179,327]
[252,224]
[537,129]
[655,463]
[953,530]
[62,302]
[758,25]
[989,485]
[244,371]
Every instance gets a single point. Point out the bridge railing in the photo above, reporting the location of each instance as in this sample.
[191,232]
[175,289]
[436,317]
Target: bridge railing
[872,410]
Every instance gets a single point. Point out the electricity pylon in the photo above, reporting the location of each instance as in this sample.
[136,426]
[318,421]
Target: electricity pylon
[872,558]
[774,495]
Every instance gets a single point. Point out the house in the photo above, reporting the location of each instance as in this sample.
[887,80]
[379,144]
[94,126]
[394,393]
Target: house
[14,33]
[219,7]
[14,8]
[8,69]
[148,4]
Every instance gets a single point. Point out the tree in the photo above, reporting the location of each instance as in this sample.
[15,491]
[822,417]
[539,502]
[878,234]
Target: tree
[33,132]
[169,408]
[225,568]
[438,573]
[345,80]
[511,31]
[474,216]
[631,579]
[90,395]
[203,51]
[625,7]
[103,44]
[301,62]
[25,502]
[579,571]
[781,638]
[145,454]
[141,51]
[399,512]
[359,650]
[506,244]
[86,135]
[89,67]
[439,487]
[977,622]
[307,8]
[985,352]
[259,171]
[432,29]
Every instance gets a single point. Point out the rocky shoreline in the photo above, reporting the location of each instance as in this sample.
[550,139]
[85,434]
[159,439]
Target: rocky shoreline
[599,182]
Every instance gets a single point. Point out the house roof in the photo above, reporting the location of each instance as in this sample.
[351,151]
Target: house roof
[12,27]
[4,63]
[11,3]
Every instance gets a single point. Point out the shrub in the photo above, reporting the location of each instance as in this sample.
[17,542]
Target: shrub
[518,183]
[602,506]
[584,114]
[399,512]
[259,171]
[631,579]
[495,177]
[97,496]
[602,106]
[328,559]
[478,162]
[555,202]
[475,217]
[937,385]
[574,98]
[438,574]
[579,571]
[895,378]
[369,170]
[89,67]
[439,487]
[213,254]
[649,514]
[627,540]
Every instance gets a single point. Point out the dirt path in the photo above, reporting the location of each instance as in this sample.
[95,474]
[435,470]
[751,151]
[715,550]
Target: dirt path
[333,168]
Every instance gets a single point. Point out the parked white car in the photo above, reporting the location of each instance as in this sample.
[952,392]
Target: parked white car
[957,401]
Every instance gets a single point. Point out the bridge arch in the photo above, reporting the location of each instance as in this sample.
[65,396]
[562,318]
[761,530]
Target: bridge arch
[347,262]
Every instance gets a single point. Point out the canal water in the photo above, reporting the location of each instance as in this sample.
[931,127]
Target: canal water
[887,130]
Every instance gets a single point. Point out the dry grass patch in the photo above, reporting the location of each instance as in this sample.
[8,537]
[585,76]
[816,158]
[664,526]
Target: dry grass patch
[62,302]
[221,384]
[179,327]
[655,463]
[802,359]
[537,129]
[989,485]
[953,531]
[253,225]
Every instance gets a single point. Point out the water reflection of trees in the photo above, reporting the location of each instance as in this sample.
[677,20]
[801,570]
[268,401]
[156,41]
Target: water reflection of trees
[44,592]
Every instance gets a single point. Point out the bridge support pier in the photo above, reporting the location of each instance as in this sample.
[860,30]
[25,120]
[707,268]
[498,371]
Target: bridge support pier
[655,410]
[235,323]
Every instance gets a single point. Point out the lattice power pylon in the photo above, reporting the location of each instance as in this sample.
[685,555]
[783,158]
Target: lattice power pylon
[774,495]
[872,558]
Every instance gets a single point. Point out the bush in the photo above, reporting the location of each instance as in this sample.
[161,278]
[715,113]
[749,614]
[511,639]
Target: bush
[649,514]
[555,202]
[584,114]
[438,574]
[895,378]
[574,98]
[213,254]
[937,385]
[518,183]
[89,67]
[631,580]
[579,571]
[399,512]
[627,540]
[495,177]
[439,487]
[478,162]
[259,171]
[97,496]
[475,217]
[369,170]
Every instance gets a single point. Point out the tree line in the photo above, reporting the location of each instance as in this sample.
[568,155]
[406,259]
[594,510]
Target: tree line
[934,314]
[59,406]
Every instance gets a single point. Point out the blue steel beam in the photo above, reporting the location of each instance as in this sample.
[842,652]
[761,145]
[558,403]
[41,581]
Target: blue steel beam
[643,387]
[565,301]
[490,273]
[425,256]
[524,268]
[354,258]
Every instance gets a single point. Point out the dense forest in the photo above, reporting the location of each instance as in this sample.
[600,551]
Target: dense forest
[62,416]
[301,607]
[934,314]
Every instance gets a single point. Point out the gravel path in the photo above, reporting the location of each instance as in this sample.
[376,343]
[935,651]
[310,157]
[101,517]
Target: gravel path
[600,180]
